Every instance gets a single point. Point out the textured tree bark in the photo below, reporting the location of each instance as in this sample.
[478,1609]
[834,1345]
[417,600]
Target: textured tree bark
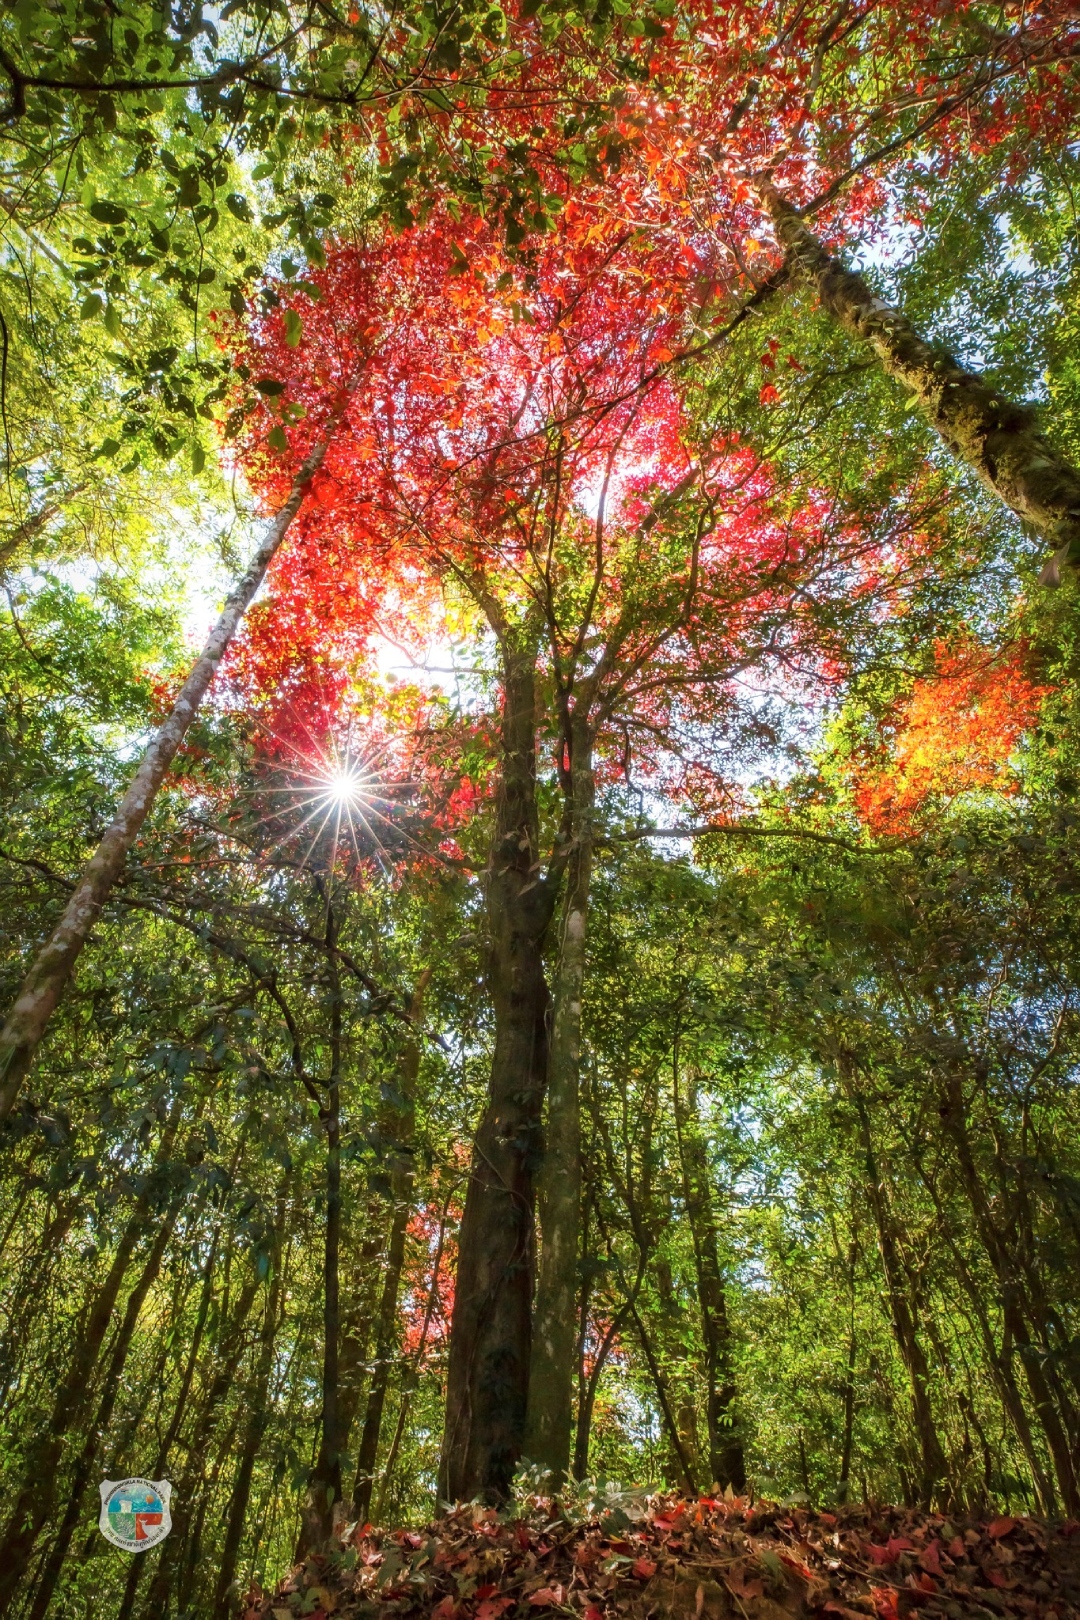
[999,439]
[84,1463]
[551,1378]
[399,1125]
[487,1379]
[726,1460]
[55,962]
[37,1491]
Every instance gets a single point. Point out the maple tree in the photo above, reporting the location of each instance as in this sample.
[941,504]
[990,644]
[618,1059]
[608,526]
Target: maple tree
[513,399]
[638,1041]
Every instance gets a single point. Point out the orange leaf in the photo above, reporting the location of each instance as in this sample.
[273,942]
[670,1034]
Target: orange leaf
[884,1601]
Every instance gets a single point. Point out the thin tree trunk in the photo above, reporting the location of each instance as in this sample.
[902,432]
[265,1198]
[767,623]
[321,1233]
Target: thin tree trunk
[726,1463]
[410,1372]
[161,1459]
[997,438]
[84,1463]
[999,1361]
[400,1127]
[933,1468]
[185,1494]
[324,1486]
[551,1378]
[32,526]
[660,1385]
[194,1564]
[587,1394]
[55,962]
[491,1333]
[37,1492]
[843,1484]
[1013,1303]
[34,1276]
[255,1429]
[583,1416]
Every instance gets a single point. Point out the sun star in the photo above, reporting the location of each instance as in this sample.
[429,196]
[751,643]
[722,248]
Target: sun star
[344,786]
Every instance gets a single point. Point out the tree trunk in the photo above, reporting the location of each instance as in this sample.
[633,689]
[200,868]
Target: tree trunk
[84,1463]
[255,1429]
[399,1127]
[34,1279]
[324,1486]
[37,1491]
[726,1463]
[1000,1362]
[843,1484]
[678,1445]
[184,1496]
[487,1379]
[55,962]
[410,1372]
[933,1468]
[161,1459]
[997,438]
[551,1378]
[954,1115]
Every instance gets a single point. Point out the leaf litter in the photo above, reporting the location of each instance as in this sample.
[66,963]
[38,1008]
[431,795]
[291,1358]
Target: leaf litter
[662,1557]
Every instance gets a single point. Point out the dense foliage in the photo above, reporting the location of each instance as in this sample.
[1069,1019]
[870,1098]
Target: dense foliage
[594,996]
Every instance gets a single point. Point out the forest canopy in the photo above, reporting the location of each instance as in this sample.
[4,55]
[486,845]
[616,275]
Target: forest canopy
[539,887]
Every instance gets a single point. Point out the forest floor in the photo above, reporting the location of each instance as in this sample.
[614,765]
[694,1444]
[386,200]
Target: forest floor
[694,1560]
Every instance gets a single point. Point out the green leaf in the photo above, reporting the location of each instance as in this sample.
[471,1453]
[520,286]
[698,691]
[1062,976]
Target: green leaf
[112,322]
[238,206]
[294,328]
[108,213]
[276,438]
[269,386]
[92,305]
[198,457]
[108,447]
